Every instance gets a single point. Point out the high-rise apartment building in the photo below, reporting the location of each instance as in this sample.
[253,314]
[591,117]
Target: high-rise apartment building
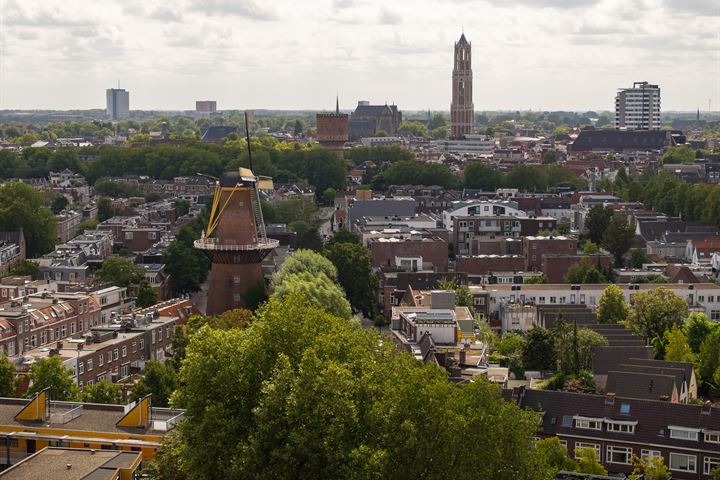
[206,106]
[118,103]
[638,108]
[462,110]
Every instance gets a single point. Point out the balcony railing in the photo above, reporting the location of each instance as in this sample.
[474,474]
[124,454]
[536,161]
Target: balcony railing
[214,244]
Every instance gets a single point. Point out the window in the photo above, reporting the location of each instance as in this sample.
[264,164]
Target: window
[109,357]
[90,365]
[644,453]
[33,341]
[152,335]
[621,427]
[142,344]
[81,368]
[236,279]
[152,235]
[712,437]
[134,347]
[124,371]
[710,464]
[124,351]
[63,331]
[115,354]
[101,360]
[72,328]
[128,235]
[683,462]
[591,446]
[618,454]
[680,433]
[588,423]
[625,408]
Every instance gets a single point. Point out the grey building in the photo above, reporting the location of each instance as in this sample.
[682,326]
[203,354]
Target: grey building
[638,108]
[117,103]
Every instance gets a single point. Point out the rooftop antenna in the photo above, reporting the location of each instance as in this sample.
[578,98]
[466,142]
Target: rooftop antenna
[247,137]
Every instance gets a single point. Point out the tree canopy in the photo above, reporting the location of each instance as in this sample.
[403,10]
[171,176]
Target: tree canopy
[655,311]
[355,274]
[23,207]
[318,291]
[50,372]
[330,401]
[612,307]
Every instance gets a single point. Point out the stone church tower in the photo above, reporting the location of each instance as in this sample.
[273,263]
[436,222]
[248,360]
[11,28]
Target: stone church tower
[462,111]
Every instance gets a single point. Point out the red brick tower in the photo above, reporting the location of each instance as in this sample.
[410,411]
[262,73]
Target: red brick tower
[332,130]
[235,240]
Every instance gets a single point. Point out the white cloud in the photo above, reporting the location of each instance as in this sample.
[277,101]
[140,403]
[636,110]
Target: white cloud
[539,54]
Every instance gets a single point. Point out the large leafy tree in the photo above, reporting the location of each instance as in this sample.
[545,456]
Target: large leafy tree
[120,272]
[50,372]
[612,307]
[23,207]
[677,348]
[318,291]
[539,350]
[697,328]
[355,274]
[597,221]
[584,272]
[160,379]
[588,462]
[618,238]
[305,260]
[102,392]
[574,345]
[7,377]
[26,267]
[654,312]
[331,401]
[484,177]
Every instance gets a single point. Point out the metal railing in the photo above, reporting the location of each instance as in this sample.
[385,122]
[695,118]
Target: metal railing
[213,244]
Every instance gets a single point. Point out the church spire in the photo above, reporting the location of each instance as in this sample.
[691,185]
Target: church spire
[337,103]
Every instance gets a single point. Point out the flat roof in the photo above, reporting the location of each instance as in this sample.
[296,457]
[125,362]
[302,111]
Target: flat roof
[72,464]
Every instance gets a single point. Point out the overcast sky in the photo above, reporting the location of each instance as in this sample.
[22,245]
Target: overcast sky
[295,54]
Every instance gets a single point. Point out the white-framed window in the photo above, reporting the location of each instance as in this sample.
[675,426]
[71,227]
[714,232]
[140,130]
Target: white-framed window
[712,437]
[588,423]
[645,453]
[89,364]
[621,427]
[72,328]
[591,446]
[115,354]
[124,351]
[81,368]
[152,337]
[134,347]
[683,462]
[617,454]
[142,344]
[680,433]
[101,360]
[128,235]
[710,464]
[109,357]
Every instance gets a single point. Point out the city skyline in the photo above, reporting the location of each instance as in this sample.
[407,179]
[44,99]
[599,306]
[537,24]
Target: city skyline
[575,53]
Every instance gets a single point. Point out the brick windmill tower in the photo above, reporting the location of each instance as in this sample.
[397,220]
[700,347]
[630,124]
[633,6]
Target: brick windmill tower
[235,239]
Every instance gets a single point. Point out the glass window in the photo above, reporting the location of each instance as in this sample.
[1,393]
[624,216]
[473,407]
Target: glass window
[683,462]
[683,434]
[620,427]
[644,453]
[90,364]
[625,408]
[588,424]
[618,454]
[592,446]
[710,464]
[712,437]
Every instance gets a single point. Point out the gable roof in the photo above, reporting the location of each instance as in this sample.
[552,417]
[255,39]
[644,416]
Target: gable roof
[618,140]
[649,386]
[217,132]
[608,358]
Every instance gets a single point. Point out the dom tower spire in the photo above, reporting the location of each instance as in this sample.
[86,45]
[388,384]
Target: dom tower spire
[462,110]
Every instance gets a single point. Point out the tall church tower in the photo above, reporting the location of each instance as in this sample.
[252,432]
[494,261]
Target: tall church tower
[462,111]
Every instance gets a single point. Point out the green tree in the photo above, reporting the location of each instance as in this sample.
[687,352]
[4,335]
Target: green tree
[21,206]
[302,261]
[160,379]
[328,196]
[618,238]
[355,274]
[597,222]
[413,128]
[484,177]
[7,377]
[549,156]
[87,225]
[612,307]
[182,207]
[539,350]
[59,204]
[343,235]
[588,462]
[655,311]
[584,272]
[709,360]
[168,461]
[590,248]
[679,154]
[555,456]
[649,468]
[298,127]
[120,272]
[331,401]
[318,290]
[697,328]
[105,209]
[639,257]
[542,279]
[677,348]
[147,296]
[51,373]
[102,392]
[573,347]
[188,268]
[26,267]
